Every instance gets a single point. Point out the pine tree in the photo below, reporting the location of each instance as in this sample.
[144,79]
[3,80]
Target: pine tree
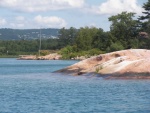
[145,19]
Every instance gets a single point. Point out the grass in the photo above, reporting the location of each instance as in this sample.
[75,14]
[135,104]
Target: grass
[98,69]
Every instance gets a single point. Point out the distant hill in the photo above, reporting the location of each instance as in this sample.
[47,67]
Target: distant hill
[27,34]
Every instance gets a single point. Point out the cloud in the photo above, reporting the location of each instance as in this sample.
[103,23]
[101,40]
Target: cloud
[2,21]
[111,7]
[17,22]
[20,18]
[35,22]
[41,5]
[16,25]
[50,21]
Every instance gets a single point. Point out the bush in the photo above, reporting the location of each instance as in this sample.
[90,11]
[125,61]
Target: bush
[116,47]
[95,51]
[66,52]
[44,52]
[69,52]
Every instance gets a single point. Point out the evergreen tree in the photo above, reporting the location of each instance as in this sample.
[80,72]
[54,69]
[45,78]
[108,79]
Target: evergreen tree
[145,19]
[123,28]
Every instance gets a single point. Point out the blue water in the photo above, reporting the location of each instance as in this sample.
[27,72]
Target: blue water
[28,86]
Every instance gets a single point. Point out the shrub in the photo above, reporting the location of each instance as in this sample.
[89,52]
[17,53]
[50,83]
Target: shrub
[44,52]
[116,47]
[98,69]
[95,51]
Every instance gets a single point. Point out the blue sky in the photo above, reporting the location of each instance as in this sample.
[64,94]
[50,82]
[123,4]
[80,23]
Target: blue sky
[28,14]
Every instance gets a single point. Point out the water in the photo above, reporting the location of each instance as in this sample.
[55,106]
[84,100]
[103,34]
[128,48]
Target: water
[30,87]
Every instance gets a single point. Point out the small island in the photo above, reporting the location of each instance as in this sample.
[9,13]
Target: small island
[125,64]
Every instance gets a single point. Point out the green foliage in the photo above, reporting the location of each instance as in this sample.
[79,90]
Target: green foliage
[67,36]
[98,69]
[145,18]
[144,43]
[134,43]
[44,52]
[101,40]
[66,52]
[2,50]
[16,47]
[70,52]
[116,47]
[123,27]
[94,51]
[84,38]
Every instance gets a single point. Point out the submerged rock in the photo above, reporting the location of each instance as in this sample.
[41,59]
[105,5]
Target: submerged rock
[125,64]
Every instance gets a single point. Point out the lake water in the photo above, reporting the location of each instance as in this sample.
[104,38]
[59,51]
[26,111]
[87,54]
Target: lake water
[28,86]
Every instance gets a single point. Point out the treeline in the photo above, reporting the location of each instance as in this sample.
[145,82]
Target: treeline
[125,32]
[18,47]
[27,34]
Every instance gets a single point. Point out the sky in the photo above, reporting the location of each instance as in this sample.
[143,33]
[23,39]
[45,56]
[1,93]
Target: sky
[29,14]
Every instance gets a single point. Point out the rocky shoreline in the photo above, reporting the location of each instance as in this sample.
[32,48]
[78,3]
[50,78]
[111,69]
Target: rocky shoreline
[53,56]
[125,64]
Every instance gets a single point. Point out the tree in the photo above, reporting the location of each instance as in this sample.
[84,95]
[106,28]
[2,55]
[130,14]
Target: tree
[85,37]
[67,36]
[72,33]
[63,34]
[101,40]
[146,17]
[123,28]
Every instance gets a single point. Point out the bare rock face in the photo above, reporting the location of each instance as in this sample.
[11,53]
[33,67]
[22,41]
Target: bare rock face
[125,64]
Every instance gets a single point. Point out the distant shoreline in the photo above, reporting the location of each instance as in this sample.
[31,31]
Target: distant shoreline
[8,56]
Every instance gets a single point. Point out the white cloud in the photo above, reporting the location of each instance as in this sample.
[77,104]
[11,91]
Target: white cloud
[111,7]
[20,18]
[51,21]
[2,21]
[16,25]
[17,22]
[41,5]
[35,22]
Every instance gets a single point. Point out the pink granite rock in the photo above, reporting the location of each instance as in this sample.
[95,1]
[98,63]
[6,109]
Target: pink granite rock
[125,64]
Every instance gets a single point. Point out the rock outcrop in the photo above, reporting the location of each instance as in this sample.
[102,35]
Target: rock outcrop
[53,56]
[27,57]
[125,64]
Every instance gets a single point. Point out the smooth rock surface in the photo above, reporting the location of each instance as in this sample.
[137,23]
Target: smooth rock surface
[125,64]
